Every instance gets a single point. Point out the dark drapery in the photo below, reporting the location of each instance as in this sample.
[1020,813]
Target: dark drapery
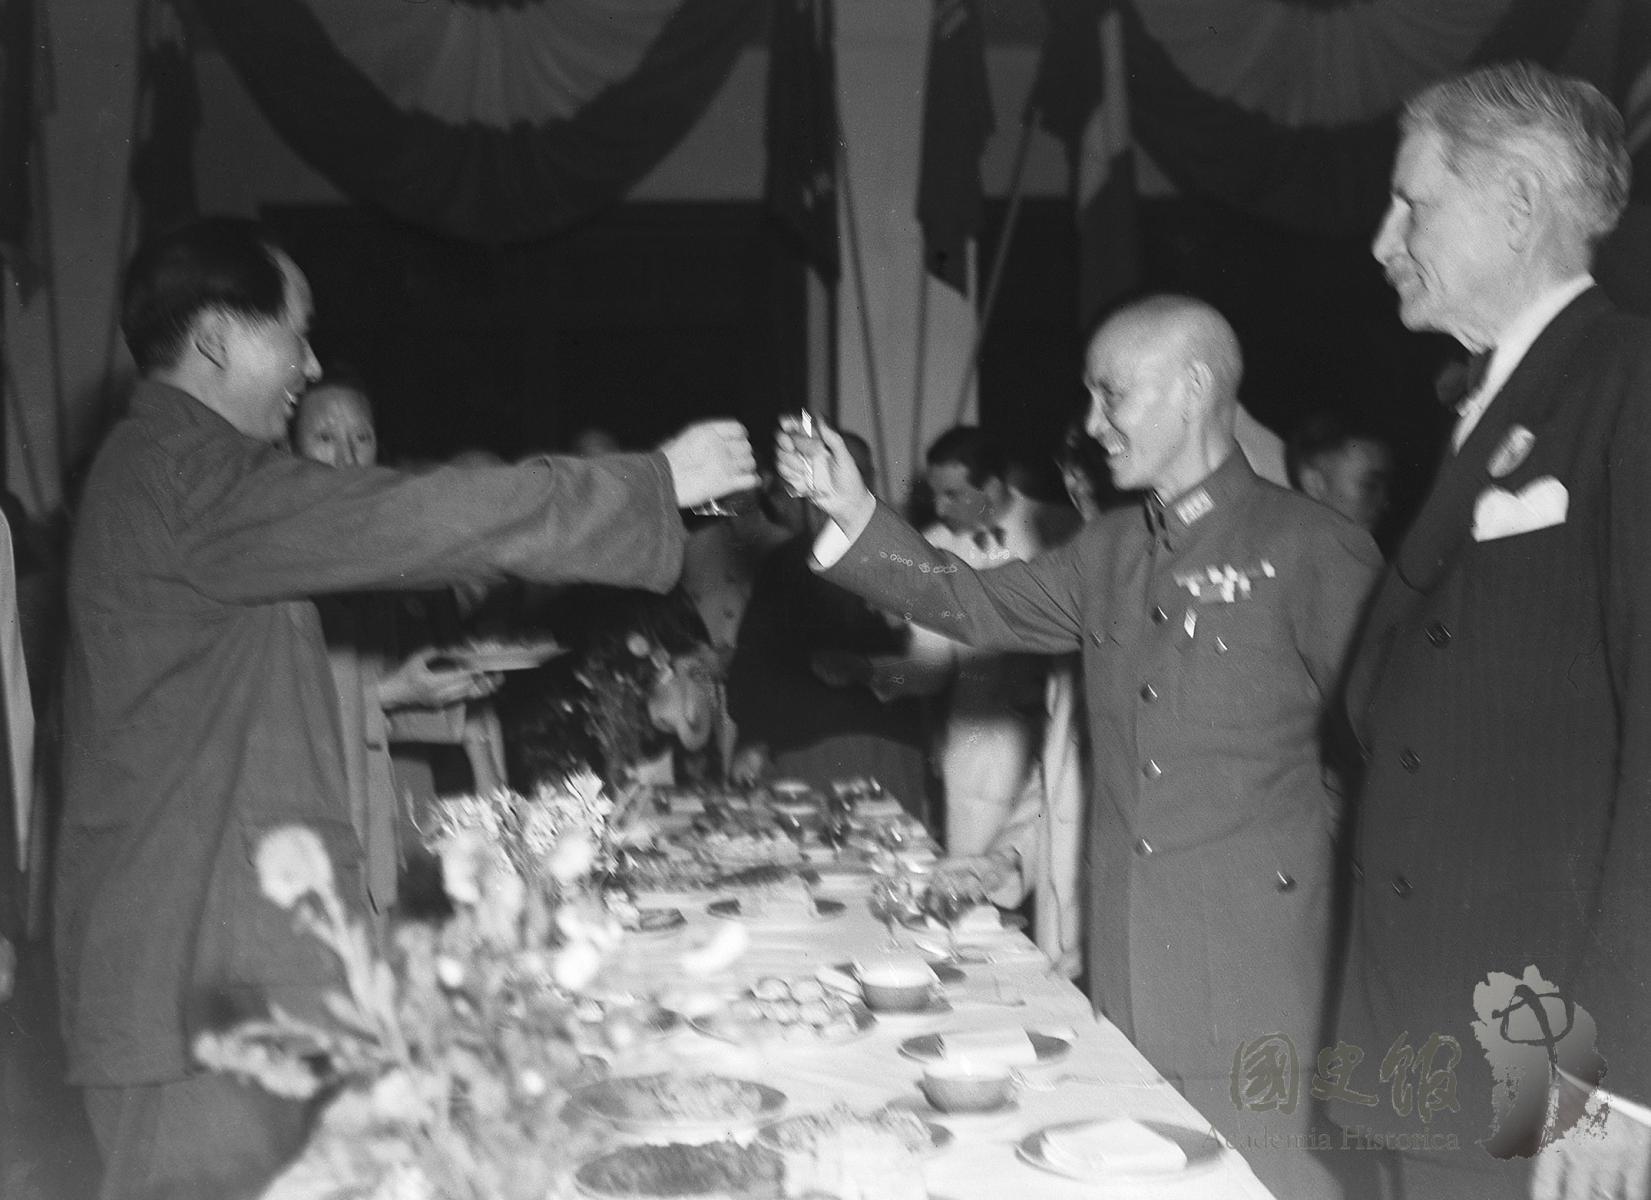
[1284,108]
[491,120]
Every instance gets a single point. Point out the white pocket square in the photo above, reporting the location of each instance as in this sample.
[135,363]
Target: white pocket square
[1499,513]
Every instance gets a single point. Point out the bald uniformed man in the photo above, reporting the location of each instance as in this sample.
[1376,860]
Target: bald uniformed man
[1213,621]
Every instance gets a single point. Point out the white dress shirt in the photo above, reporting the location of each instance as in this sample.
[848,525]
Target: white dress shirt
[1511,346]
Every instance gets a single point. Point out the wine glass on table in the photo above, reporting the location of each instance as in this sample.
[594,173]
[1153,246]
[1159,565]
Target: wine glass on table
[946,900]
[891,899]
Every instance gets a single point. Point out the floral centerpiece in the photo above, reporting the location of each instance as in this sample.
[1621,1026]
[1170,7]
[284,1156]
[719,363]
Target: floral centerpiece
[444,1067]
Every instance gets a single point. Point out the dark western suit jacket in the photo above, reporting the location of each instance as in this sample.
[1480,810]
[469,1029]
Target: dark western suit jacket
[1501,696]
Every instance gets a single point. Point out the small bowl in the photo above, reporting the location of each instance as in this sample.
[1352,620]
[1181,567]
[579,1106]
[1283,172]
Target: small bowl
[903,984]
[967,1085]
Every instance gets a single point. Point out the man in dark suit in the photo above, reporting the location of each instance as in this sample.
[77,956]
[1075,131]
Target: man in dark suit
[1501,689]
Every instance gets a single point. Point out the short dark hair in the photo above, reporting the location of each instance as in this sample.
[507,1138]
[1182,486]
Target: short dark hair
[969,447]
[216,263]
[1081,453]
[1318,437]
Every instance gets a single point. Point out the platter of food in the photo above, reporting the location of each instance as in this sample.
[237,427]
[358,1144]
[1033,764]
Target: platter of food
[799,1010]
[710,1171]
[756,908]
[491,655]
[802,1133]
[681,1103]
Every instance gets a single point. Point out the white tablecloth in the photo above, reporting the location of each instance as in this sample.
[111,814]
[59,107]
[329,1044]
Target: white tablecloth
[981,1162]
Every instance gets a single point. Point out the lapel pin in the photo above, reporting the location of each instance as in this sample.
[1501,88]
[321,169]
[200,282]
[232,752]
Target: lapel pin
[1515,449]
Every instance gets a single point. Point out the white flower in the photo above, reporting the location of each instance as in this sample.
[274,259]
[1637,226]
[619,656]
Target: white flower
[575,965]
[503,899]
[291,863]
[461,864]
[727,943]
[574,856]
[404,1181]
[396,1099]
[450,971]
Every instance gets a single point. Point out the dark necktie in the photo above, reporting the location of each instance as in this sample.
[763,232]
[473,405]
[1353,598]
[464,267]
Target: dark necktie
[1471,379]
[989,539]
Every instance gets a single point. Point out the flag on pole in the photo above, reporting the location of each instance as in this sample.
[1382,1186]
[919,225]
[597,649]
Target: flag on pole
[1080,96]
[169,116]
[957,120]
[802,129]
[17,124]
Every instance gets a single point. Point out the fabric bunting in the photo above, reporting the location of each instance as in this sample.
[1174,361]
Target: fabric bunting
[492,120]
[1285,109]
[957,120]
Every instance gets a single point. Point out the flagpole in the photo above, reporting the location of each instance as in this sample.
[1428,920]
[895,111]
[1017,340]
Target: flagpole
[1017,187]
[872,395]
[921,353]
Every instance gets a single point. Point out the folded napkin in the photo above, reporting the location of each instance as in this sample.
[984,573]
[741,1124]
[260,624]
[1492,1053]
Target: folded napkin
[1116,1147]
[1008,1046]
[839,980]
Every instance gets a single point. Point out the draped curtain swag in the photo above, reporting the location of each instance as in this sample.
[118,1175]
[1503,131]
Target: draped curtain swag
[1284,108]
[490,120]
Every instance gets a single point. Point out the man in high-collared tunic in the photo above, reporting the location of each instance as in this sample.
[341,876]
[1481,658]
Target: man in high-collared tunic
[199,710]
[1213,627]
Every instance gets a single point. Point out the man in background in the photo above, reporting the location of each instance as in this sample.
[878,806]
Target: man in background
[791,722]
[988,704]
[1337,463]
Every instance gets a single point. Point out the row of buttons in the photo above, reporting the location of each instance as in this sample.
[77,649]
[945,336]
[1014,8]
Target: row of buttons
[1399,884]
[1281,881]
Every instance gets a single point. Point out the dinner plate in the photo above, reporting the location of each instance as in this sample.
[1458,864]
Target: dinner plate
[944,972]
[794,789]
[522,656]
[663,1173]
[936,1005]
[729,909]
[657,920]
[772,1134]
[930,1047]
[622,1103]
[761,1033]
[1008,922]
[1199,1145]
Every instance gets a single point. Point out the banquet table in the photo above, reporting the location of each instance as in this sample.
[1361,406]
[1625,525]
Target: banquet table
[1102,1076]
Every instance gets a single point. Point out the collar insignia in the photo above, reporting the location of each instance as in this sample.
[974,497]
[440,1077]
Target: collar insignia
[1190,508]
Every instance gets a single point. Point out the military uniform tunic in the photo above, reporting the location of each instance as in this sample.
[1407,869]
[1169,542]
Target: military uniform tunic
[1212,635]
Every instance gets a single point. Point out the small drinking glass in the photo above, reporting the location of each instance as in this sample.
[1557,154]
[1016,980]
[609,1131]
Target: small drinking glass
[891,899]
[735,504]
[946,900]
[802,429]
